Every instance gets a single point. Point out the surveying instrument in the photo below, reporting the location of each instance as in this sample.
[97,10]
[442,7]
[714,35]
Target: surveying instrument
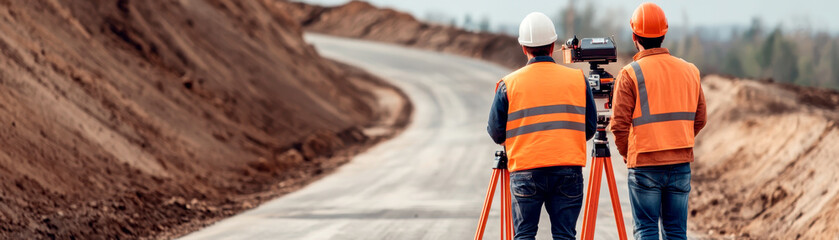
[597,51]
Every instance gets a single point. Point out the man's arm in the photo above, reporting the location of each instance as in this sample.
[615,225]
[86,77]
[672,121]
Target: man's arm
[700,119]
[497,126]
[591,113]
[623,105]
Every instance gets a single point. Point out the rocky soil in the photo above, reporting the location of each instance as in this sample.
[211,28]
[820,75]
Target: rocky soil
[149,119]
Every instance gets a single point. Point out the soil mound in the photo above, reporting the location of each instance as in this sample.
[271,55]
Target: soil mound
[151,118]
[358,19]
[766,163]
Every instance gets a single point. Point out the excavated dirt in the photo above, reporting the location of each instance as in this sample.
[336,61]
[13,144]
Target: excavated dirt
[358,19]
[766,163]
[149,119]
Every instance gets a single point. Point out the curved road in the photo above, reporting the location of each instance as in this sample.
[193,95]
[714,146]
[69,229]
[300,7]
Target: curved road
[427,183]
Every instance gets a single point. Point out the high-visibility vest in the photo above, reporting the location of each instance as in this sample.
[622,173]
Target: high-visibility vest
[546,123]
[665,104]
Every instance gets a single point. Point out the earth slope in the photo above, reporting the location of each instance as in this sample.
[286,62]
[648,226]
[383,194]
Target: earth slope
[141,118]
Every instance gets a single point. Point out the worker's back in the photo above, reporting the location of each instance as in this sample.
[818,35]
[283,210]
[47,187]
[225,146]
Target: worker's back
[546,120]
[543,114]
[668,94]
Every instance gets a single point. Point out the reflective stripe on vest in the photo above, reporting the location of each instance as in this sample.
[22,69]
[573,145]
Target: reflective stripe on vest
[562,108]
[530,112]
[646,117]
[546,126]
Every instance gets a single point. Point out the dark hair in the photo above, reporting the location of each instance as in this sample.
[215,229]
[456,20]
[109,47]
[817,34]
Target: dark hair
[648,43]
[544,50]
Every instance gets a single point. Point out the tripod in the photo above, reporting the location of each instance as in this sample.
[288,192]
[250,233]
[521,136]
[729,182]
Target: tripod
[499,171]
[601,157]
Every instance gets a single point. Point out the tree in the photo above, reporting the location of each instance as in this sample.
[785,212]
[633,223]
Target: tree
[764,57]
[484,24]
[755,29]
[833,79]
[826,70]
[467,22]
[732,64]
[783,60]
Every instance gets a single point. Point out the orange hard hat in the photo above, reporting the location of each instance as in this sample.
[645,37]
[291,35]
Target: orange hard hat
[648,21]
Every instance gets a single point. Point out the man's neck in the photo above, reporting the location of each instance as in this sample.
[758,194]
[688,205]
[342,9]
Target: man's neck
[639,47]
[530,57]
[541,59]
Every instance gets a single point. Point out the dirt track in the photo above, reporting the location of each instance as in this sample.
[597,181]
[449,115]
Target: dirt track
[427,183]
[126,119]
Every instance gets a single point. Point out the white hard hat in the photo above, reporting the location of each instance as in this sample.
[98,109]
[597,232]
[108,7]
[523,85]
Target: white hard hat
[536,30]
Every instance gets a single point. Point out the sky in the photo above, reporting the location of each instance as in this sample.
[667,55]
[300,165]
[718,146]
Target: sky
[819,15]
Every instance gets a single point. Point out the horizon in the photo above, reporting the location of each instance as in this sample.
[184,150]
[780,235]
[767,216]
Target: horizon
[681,14]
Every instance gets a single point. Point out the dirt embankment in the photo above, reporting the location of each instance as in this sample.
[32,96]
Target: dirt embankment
[766,163]
[125,119]
[358,19]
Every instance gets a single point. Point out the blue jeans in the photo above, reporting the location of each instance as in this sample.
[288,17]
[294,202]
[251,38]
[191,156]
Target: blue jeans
[559,188]
[660,193]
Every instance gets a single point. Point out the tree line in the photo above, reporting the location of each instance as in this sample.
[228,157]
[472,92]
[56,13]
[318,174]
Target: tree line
[803,57]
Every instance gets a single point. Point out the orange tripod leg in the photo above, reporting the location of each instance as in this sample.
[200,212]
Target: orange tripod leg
[600,157]
[616,205]
[503,201]
[590,218]
[506,214]
[479,234]
[508,222]
[588,194]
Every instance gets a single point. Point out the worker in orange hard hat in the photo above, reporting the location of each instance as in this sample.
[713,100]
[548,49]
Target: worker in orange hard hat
[658,109]
[543,114]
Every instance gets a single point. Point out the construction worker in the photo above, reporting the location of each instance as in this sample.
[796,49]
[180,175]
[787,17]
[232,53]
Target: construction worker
[658,108]
[543,114]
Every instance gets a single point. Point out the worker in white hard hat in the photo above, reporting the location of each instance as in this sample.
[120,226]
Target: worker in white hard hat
[543,114]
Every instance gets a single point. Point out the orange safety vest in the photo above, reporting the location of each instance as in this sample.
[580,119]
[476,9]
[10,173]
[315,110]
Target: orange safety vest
[546,123]
[665,104]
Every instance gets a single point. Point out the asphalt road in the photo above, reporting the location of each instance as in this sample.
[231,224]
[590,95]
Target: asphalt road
[427,183]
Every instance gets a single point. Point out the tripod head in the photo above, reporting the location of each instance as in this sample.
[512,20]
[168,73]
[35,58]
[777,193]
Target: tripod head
[500,160]
[601,83]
